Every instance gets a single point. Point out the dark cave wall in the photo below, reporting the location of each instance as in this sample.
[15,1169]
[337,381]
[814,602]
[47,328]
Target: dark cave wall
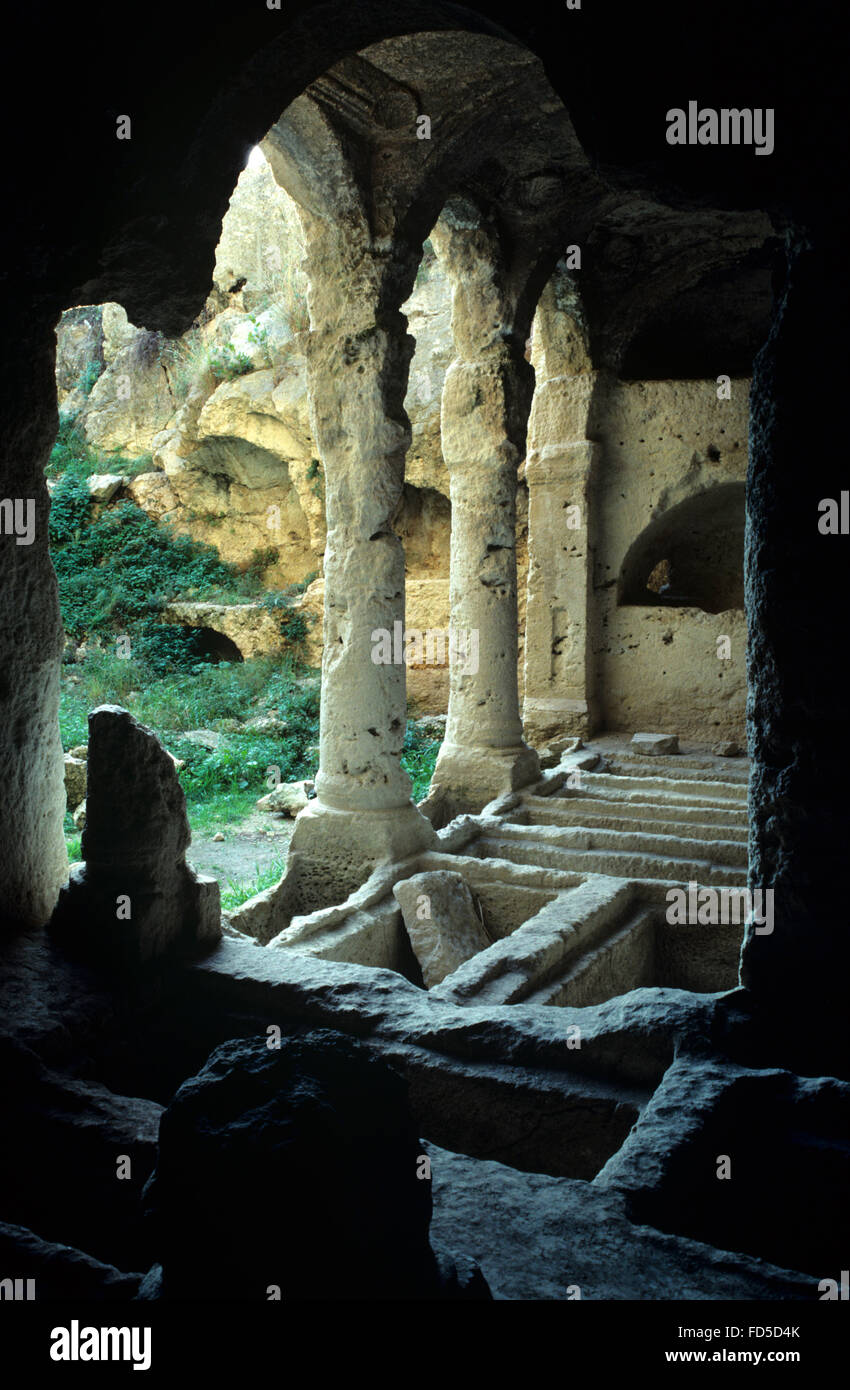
[796,593]
[33,862]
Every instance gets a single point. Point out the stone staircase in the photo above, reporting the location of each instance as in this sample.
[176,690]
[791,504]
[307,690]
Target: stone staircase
[672,818]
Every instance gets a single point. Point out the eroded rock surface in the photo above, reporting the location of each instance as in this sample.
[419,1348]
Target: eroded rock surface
[135,896]
[442,923]
[315,1146]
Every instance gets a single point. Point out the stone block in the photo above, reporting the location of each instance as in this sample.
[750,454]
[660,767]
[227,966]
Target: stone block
[728,749]
[289,797]
[655,744]
[103,486]
[442,923]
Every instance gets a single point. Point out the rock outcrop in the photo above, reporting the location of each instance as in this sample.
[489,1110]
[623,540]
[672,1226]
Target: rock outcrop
[135,898]
[312,1139]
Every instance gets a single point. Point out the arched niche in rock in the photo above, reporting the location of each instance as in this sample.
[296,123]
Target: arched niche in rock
[690,556]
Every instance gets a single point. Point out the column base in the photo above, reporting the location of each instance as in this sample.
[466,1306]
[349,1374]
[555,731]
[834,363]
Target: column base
[339,849]
[468,777]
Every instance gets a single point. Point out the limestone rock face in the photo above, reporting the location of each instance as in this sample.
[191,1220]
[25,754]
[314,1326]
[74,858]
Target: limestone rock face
[131,401]
[316,1149]
[135,898]
[80,347]
[261,245]
[441,921]
[429,312]
[75,780]
[235,462]
[255,630]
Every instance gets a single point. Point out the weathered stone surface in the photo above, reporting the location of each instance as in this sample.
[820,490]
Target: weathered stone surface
[676,1182]
[255,630]
[267,724]
[75,781]
[486,396]
[80,816]
[62,1273]
[582,1240]
[204,738]
[328,1127]
[728,749]
[444,928]
[79,1200]
[79,348]
[289,797]
[131,401]
[154,494]
[653,744]
[103,486]
[136,897]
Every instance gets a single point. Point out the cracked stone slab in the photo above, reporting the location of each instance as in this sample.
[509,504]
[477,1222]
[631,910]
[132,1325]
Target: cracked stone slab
[441,921]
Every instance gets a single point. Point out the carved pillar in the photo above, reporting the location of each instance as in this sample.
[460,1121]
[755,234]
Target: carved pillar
[558,659]
[363,813]
[484,410]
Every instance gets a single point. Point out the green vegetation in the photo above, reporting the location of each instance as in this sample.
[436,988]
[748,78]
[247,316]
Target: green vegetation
[221,784]
[418,759]
[71,454]
[88,376]
[316,479]
[226,363]
[237,891]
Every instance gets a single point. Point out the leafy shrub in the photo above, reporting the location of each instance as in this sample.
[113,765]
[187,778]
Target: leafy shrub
[258,334]
[70,505]
[70,453]
[165,647]
[294,628]
[261,559]
[226,363]
[418,759]
[316,478]
[118,572]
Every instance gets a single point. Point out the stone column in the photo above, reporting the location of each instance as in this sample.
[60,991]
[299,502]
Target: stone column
[486,396]
[363,813]
[558,472]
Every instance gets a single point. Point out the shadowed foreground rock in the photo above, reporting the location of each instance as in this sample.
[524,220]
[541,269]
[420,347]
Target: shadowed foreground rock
[296,1168]
[135,898]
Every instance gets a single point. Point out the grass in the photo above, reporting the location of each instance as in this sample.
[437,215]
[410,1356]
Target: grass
[237,891]
[222,698]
